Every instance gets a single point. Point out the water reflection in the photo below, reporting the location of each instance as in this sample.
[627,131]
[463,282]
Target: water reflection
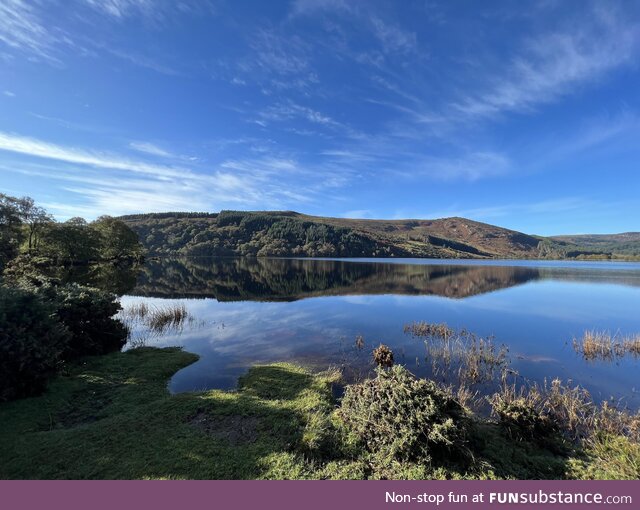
[262,279]
[289,280]
[334,312]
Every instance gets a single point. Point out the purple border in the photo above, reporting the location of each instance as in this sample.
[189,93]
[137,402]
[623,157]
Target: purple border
[299,495]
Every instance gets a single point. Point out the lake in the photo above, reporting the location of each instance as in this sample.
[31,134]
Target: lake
[322,313]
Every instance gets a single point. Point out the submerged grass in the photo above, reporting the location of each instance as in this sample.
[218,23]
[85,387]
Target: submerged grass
[146,321]
[461,358]
[112,417]
[601,345]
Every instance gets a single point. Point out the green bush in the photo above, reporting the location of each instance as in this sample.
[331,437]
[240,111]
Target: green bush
[31,343]
[397,416]
[88,315]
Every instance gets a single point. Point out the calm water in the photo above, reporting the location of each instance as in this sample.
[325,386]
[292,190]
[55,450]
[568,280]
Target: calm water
[247,311]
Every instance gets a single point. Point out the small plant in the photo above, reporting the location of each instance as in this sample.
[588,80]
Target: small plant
[383,356]
[397,416]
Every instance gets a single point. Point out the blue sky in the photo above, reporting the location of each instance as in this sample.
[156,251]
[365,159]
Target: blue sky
[521,114]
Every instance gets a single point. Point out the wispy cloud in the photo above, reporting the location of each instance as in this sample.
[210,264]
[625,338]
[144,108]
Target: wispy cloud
[289,110]
[124,8]
[276,61]
[151,10]
[8,93]
[150,148]
[552,65]
[41,149]
[143,61]
[22,29]
[392,37]
[471,167]
[108,183]
[542,207]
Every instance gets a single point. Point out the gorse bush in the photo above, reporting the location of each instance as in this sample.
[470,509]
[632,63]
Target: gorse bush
[399,417]
[31,343]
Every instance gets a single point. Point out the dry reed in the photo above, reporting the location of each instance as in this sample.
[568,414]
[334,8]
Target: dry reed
[601,345]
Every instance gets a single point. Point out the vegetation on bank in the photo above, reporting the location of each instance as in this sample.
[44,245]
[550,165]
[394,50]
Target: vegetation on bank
[45,323]
[287,233]
[112,417]
[44,327]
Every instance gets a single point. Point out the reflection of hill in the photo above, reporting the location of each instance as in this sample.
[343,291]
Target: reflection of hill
[586,275]
[287,280]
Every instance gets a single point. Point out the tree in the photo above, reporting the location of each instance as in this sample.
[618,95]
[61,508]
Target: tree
[35,217]
[10,228]
[118,241]
[70,241]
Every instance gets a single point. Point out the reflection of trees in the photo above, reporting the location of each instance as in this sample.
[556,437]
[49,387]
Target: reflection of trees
[264,279]
[280,279]
[117,278]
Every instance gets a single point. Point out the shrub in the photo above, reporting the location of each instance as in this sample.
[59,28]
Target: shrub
[31,342]
[397,416]
[88,314]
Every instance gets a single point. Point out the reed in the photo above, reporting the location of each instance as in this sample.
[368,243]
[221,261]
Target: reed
[460,355]
[568,409]
[601,345]
[148,320]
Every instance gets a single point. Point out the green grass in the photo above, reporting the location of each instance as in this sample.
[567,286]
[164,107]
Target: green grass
[112,417]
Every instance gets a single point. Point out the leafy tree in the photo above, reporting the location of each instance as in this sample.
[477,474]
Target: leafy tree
[10,229]
[35,218]
[73,240]
[118,241]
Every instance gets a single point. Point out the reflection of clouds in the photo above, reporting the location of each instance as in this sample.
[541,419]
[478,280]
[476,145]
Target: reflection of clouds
[571,302]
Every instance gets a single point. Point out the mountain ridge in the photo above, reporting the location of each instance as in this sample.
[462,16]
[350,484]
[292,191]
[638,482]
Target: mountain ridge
[289,233]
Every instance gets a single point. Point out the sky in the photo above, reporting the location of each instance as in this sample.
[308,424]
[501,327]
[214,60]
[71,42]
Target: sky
[520,114]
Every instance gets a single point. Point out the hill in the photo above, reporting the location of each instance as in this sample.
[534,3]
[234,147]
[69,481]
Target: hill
[624,244]
[288,233]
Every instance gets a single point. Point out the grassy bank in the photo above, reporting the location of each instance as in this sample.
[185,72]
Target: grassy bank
[112,417]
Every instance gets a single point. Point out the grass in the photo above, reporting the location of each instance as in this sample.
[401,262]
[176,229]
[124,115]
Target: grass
[601,345]
[112,417]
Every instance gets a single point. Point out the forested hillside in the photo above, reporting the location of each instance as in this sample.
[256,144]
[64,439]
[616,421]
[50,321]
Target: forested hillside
[284,233]
[287,233]
[625,244]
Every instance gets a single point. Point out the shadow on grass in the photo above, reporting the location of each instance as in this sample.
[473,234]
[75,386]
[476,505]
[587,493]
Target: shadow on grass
[112,417]
[137,430]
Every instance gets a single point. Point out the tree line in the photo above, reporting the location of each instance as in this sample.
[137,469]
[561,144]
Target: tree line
[28,229]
